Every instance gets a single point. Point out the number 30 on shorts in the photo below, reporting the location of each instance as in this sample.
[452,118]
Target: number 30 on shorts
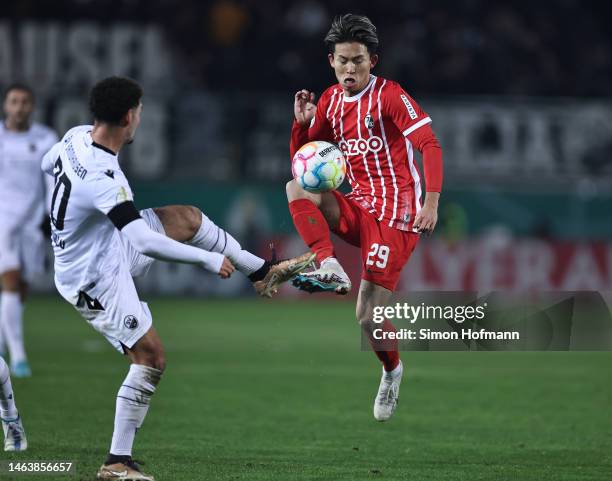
[378,255]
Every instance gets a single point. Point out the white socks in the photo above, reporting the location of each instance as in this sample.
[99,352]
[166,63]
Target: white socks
[11,323]
[212,238]
[8,410]
[132,405]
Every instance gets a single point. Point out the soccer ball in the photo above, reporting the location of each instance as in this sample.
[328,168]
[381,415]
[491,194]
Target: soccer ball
[318,166]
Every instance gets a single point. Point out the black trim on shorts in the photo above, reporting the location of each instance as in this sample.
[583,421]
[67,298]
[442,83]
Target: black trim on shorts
[124,213]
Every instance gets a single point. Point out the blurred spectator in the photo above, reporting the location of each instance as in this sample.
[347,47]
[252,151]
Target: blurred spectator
[559,48]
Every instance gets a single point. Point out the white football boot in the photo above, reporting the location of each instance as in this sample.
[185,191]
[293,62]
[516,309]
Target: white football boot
[388,393]
[330,277]
[14,435]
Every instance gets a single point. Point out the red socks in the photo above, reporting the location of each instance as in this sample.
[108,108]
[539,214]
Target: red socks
[312,227]
[385,349]
[314,231]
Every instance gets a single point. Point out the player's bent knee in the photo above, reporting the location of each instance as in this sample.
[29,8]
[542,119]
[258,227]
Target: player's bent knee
[291,189]
[11,281]
[156,361]
[160,363]
[295,192]
[192,218]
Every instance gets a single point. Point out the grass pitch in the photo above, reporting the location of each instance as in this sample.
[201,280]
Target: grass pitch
[279,390]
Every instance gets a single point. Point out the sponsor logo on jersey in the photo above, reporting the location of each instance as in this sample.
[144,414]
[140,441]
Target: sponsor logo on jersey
[110,173]
[361,146]
[122,195]
[130,322]
[411,111]
[32,147]
[58,241]
[368,121]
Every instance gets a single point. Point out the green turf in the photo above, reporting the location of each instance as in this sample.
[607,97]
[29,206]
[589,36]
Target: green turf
[269,390]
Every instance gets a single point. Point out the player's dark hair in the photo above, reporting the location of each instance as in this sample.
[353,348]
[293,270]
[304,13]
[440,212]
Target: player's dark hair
[111,98]
[352,28]
[18,86]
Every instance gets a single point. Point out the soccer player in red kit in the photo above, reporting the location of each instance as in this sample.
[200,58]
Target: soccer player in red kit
[377,125]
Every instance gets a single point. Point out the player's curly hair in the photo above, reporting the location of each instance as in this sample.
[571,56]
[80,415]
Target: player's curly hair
[352,28]
[18,86]
[111,98]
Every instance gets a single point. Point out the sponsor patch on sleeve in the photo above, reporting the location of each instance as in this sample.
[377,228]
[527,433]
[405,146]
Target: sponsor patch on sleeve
[409,107]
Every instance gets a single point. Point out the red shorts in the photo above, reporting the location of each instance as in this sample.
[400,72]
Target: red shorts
[384,250]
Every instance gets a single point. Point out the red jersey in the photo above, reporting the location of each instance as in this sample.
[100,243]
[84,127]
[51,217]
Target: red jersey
[374,130]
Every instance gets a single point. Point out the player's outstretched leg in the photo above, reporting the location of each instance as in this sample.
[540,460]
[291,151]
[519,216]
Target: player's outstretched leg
[188,224]
[11,322]
[312,215]
[387,397]
[14,435]
[133,398]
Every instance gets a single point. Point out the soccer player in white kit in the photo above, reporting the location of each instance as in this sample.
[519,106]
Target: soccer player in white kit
[22,207]
[101,241]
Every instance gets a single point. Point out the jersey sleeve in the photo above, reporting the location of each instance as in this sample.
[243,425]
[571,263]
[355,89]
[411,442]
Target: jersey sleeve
[109,192]
[404,111]
[319,128]
[48,160]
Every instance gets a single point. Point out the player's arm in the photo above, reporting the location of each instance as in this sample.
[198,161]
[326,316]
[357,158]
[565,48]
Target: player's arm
[426,142]
[309,122]
[415,124]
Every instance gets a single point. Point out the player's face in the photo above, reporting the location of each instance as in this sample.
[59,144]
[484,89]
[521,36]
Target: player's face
[133,122]
[352,64]
[18,108]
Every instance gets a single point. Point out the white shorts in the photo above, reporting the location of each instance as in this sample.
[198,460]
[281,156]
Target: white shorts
[112,306]
[22,249]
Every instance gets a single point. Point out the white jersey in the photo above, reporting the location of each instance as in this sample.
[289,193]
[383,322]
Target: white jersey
[88,184]
[22,186]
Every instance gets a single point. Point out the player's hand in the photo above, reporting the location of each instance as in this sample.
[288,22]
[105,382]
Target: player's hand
[304,107]
[226,269]
[426,220]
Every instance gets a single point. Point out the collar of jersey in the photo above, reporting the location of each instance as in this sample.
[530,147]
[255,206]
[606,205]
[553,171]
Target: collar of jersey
[355,98]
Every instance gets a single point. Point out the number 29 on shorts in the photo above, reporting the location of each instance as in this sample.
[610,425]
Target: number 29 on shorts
[378,255]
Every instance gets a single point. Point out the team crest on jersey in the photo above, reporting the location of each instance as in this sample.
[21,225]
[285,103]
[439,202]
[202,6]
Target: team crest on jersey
[130,322]
[32,147]
[368,121]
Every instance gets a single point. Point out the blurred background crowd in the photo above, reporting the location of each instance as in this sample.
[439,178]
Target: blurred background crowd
[559,48]
[519,94]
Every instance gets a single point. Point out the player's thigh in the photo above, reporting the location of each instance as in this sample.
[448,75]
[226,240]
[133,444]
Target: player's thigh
[140,264]
[112,307]
[384,252]
[347,225]
[370,296]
